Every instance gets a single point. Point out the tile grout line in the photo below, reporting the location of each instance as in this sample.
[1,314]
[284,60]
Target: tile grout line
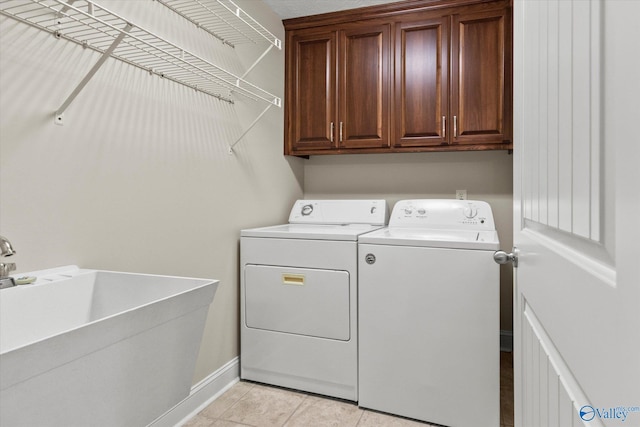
[306,396]
[361,415]
[220,417]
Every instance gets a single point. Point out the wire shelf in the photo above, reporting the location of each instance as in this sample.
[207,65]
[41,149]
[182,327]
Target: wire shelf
[95,27]
[224,20]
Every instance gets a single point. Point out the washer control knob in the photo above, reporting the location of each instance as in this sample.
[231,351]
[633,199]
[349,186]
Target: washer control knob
[408,211]
[421,211]
[306,210]
[370,259]
[470,211]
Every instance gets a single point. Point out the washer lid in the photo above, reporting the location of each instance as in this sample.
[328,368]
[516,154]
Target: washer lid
[311,231]
[434,238]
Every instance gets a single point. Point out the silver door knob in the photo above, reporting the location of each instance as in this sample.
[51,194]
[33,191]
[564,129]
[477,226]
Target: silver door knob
[501,257]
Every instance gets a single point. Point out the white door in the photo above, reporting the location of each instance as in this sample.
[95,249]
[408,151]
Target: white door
[577,212]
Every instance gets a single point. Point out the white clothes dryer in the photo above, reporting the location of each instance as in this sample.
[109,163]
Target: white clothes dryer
[429,314]
[298,292]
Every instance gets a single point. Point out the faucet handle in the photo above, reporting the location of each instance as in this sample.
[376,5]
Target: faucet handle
[6,268]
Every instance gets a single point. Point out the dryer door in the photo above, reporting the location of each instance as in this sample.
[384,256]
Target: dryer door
[299,301]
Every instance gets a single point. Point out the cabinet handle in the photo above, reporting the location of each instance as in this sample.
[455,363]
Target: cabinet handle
[340,131]
[444,127]
[331,136]
[455,126]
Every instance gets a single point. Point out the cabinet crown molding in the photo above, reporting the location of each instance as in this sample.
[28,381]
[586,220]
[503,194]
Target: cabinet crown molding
[386,11]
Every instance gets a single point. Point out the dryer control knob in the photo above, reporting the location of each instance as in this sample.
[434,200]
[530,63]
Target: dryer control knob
[470,211]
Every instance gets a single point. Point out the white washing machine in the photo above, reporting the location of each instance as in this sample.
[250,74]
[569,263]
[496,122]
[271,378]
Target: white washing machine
[429,314]
[298,292]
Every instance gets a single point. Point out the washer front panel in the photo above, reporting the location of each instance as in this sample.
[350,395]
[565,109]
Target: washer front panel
[429,334]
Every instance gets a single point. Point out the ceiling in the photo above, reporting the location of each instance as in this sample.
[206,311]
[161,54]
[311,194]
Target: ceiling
[295,8]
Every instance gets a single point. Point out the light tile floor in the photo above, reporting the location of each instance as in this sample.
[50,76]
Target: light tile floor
[251,404]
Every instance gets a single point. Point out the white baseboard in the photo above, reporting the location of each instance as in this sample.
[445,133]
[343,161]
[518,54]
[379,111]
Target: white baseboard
[202,394]
[506,340]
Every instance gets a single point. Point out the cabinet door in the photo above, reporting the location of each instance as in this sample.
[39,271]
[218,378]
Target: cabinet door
[311,91]
[421,83]
[481,80]
[364,87]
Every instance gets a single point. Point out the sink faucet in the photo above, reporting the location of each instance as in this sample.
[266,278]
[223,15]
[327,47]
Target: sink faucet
[6,250]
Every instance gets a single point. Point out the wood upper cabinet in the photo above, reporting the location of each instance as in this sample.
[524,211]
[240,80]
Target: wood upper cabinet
[337,89]
[422,83]
[311,104]
[363,113]
[408,76]
[452,84]
[481,78]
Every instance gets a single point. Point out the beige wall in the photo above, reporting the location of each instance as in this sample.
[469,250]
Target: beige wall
[139,178]
[485,175]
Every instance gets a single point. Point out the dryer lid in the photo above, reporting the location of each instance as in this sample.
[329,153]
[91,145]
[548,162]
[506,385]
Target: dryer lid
[311,231]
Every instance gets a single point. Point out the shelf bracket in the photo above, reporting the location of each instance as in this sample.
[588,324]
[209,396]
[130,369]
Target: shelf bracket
[66,7]
[257,61]
[249,128]
[107,53]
